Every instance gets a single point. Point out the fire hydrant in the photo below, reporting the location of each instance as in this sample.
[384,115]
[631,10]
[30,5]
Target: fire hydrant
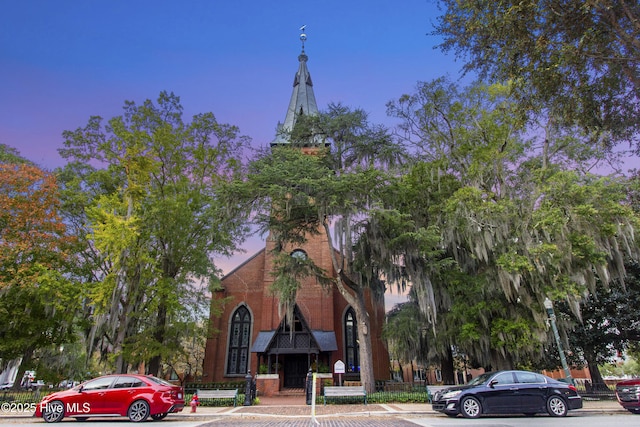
[194,402]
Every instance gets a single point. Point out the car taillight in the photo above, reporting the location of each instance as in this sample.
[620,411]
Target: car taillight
[174,394]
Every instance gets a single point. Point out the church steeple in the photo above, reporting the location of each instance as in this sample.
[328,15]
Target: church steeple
[303,100]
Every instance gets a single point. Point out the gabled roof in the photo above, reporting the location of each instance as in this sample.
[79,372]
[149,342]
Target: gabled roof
[245,262]
[267,341]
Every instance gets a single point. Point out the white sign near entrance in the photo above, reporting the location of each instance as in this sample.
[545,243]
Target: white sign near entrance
[338,367]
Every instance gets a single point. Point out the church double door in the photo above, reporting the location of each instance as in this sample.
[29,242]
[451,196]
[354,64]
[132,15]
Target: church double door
[295,368]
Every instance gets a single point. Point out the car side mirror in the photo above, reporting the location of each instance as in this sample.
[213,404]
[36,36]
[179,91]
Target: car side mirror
[80,389]
[493,383]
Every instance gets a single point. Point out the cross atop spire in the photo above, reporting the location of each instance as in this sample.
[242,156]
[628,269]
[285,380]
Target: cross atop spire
[303,36]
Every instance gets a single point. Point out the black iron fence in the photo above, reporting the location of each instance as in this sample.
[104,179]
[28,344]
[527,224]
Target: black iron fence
[23,396]
[190,388]
[596,391]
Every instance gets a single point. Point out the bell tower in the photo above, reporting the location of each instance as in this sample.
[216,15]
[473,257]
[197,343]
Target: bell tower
[250,335]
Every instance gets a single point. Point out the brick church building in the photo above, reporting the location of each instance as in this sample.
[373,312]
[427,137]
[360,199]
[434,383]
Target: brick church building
[250,336]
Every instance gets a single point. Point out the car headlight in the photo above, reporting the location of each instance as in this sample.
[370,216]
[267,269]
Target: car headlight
[451,394]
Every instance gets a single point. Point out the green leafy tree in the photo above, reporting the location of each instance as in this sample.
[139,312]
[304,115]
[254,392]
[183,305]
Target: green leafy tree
[10,155]
[405,332]
[149,185]
[521,219]
[609,324]
[577,60]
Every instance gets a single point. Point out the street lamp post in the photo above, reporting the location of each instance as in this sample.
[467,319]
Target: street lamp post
[552,317]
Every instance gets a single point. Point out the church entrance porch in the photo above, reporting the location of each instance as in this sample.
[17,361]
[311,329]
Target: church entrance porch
[291,350]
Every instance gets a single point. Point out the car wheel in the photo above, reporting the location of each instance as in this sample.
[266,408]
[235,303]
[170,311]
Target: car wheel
[556,406]
[634,410]
[53,411]
[161,416]
[470,407]
[138,411]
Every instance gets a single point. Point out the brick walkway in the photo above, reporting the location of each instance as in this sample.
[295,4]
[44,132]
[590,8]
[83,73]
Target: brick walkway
[305,410]
[292,411]
[337,422]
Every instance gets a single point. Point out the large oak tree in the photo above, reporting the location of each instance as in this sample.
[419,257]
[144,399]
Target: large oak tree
[519,216]
[575,60]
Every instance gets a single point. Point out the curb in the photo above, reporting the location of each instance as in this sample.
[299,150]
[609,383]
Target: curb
[388,411]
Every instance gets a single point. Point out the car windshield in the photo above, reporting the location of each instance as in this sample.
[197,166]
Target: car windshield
[481,379]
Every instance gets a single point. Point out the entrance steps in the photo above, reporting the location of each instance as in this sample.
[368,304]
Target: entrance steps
[293,392]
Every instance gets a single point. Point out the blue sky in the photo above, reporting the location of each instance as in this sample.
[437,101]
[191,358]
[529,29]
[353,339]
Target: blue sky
[62,61]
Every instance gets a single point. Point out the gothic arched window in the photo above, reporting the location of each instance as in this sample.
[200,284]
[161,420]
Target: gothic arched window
[351,347]
[239,336]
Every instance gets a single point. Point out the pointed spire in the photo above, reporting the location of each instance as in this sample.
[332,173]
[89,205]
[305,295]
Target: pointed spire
[303,100]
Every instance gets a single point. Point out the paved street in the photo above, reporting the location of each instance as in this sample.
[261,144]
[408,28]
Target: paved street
[281,412]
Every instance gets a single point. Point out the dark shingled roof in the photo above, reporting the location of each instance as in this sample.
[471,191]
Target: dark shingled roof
[262,342]
[326,341]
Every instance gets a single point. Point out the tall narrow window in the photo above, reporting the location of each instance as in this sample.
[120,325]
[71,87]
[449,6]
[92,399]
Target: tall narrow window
[352,349]
[239,335]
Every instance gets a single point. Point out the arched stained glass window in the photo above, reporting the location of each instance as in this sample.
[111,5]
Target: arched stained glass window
[351,347]
[239,336]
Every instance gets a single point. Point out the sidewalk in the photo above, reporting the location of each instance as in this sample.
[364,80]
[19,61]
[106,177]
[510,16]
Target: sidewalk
[284,407]
[295,407]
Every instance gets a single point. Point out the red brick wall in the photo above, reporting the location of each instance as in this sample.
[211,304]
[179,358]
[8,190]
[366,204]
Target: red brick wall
[267,386]
[322,309]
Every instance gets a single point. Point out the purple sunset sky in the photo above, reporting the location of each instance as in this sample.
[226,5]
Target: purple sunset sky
[62,61]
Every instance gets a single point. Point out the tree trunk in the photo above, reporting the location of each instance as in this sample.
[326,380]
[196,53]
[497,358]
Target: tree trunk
[364,337]
[120,365]
[161,323]
[26,358]
[124,327]
[446,368]
[353,293]
[366,350]
[597,382]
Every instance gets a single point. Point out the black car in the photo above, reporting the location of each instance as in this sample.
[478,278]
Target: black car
[508,392]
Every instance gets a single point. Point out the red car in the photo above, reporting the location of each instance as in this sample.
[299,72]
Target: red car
[628,394]
[130,395]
